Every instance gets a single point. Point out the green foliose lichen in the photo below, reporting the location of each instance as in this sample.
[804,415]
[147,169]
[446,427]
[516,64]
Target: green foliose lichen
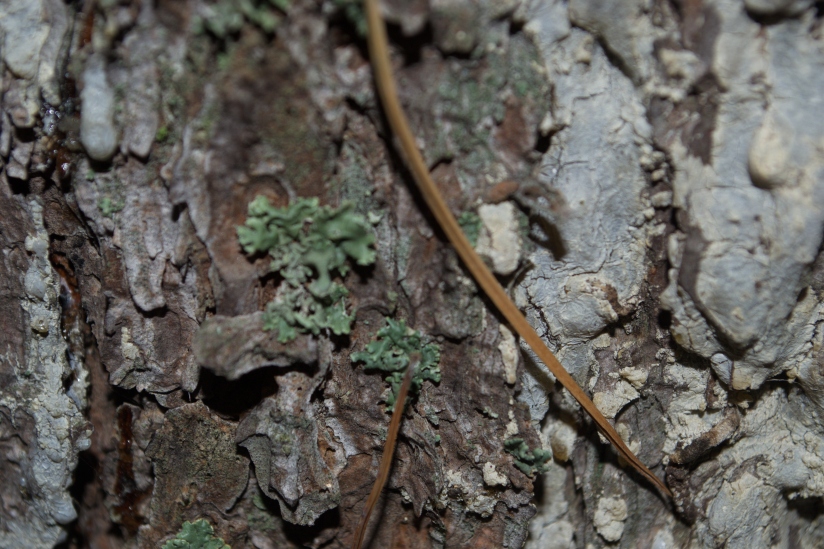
[227,17]
[261,517]
[390,352]
[353,10]
[471,224]
[529,462]
[196,535]
[111,192]
[107,207]
[297,310]
[162,134]
[307,243]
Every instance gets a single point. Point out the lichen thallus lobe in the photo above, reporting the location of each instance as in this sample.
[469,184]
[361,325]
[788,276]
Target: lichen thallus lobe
[378,53]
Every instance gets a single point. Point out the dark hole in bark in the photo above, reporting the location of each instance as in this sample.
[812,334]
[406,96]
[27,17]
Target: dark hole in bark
[18,186]
[542,142]
[516,26]
[177,210]
[411,46]
[664,319]
[303,536]
[232,399]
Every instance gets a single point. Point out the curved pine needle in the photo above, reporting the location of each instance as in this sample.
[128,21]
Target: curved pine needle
[388,450]
[379,56]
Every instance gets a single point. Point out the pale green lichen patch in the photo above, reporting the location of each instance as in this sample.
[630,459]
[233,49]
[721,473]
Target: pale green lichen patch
[296,310]
[261,517]
[110,190]
[196,535]
[307,243]
[228,17]
[390,352]
[107,207]
[529,462]
[471,224]
[353,10]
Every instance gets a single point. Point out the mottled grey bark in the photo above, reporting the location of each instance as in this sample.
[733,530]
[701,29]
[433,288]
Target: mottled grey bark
[709,111]
[646,176]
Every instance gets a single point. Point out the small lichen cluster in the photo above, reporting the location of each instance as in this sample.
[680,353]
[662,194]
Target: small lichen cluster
[353,10]
[196,535]
[529,462]
[107,207]
[111,192]
[227,17]
[471,224]
[390,352]
[307,243]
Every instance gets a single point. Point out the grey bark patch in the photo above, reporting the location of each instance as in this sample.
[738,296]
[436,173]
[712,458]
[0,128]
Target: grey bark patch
[233,346]
[97,130]
[196,466]
[754,261]
[142,93]
[721,432]
[156,276]
[43,426]
[282,435]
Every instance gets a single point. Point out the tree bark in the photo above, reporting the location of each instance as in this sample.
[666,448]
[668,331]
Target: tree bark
[646,177]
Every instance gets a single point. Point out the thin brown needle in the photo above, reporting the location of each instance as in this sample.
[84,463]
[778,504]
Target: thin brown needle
[378,53]
[388,450]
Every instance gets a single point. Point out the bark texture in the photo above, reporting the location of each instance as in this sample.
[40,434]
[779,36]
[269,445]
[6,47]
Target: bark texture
[647,176]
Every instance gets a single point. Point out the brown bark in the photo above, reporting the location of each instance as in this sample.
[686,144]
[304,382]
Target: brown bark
[138,386]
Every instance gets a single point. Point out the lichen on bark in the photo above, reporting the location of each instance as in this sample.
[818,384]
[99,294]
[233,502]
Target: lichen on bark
[645,176]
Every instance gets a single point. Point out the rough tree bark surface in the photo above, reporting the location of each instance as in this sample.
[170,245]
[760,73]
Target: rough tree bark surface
[647,176]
